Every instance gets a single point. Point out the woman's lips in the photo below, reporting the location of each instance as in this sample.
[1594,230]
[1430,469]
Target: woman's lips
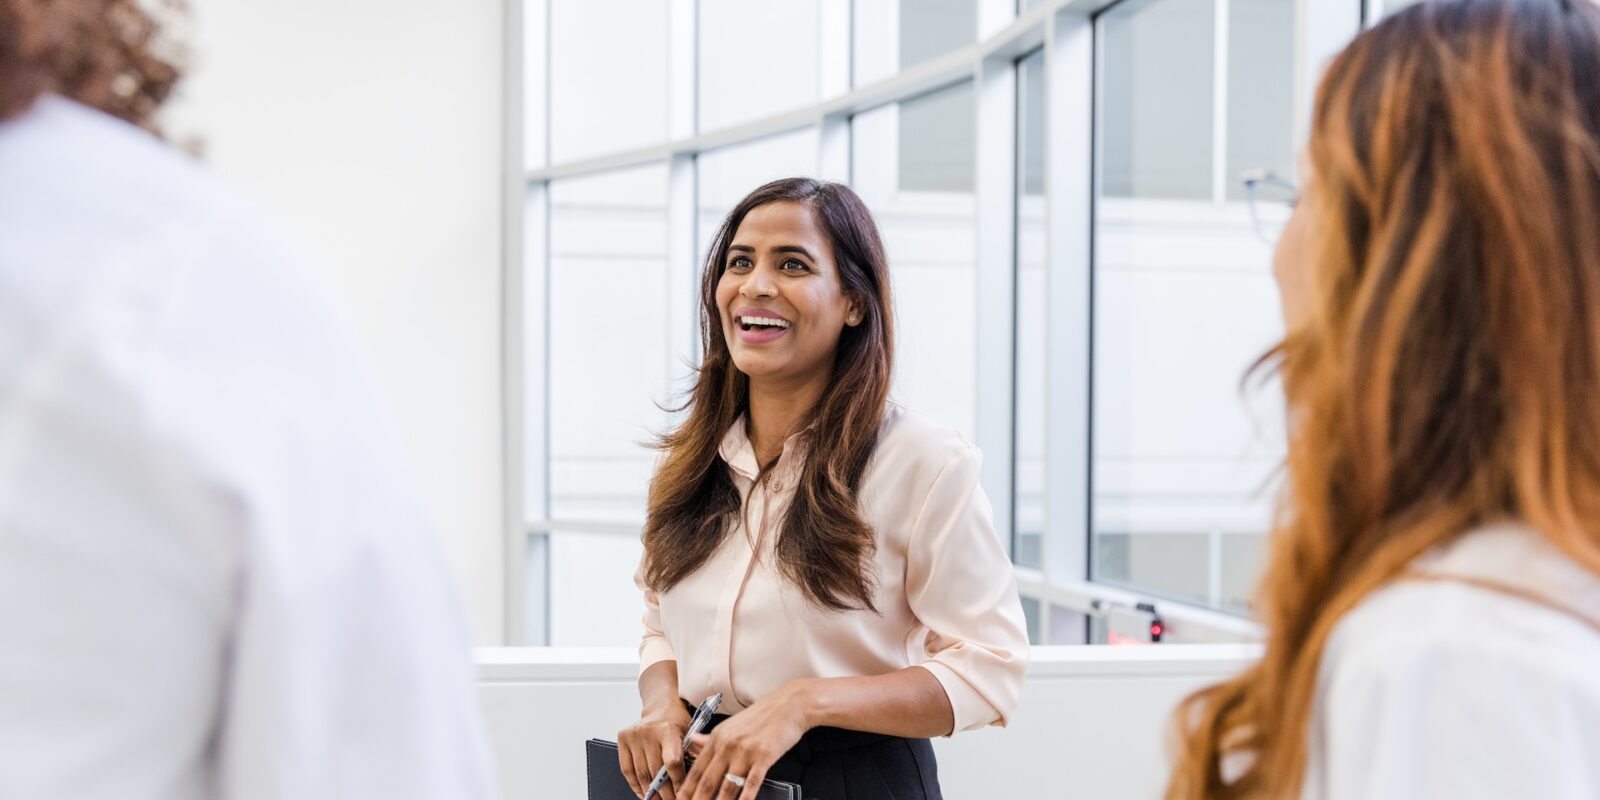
[759,335]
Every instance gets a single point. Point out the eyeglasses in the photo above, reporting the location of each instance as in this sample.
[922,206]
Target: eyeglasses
[1270,197]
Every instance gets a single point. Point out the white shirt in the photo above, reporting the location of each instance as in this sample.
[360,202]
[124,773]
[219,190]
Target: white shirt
[945,592]
[213,584]
[1433,689]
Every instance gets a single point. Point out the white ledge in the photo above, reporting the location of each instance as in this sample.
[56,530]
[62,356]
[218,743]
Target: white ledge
[620,664]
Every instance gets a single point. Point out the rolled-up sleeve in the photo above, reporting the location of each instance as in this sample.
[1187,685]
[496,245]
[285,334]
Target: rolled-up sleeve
[653,646]
[960,584]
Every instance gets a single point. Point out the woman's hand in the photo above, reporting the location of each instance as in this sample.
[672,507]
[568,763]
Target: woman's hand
[747,745]
[656,739]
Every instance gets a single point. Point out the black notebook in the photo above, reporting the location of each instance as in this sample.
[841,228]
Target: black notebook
[606,781]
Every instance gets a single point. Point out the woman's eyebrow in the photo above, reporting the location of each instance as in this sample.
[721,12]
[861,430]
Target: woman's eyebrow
[794,248]
[782,248]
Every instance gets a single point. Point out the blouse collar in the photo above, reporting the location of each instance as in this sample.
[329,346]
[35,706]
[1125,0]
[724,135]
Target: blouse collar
[740,454]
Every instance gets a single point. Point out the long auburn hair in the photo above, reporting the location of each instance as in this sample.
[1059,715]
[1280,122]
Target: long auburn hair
[106,54]
[1447,373]
[824,546]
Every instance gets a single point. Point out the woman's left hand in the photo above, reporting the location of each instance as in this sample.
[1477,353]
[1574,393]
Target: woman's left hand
[746,745]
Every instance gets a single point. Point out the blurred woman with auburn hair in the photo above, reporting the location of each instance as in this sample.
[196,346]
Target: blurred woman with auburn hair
[1432,597]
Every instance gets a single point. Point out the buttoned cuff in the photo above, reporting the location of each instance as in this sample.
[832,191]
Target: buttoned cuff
[654,650]
[970,708]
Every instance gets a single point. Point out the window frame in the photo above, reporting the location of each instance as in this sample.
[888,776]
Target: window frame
[1065,31]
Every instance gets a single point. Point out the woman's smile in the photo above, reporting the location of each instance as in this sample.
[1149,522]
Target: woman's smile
[760,325]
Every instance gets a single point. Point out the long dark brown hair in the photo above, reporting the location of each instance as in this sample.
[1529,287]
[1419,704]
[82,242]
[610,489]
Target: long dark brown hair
[825,546]
[1447,371]
[106,54]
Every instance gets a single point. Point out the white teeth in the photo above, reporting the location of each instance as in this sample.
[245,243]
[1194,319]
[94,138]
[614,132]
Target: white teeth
[777,323]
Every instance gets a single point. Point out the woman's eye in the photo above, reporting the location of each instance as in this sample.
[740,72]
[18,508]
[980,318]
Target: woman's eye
[739,262]
[794,266]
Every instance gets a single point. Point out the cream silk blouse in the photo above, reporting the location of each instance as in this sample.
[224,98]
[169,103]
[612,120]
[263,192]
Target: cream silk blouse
[945,592]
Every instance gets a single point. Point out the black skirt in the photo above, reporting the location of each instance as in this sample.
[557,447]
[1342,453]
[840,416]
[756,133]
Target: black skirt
[838,764]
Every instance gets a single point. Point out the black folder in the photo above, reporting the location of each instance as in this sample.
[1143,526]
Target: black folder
[606,781]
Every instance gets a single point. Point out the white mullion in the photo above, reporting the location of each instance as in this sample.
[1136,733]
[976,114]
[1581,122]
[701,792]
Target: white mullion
[995,328]
[533,607]
[1069,187]
[518,121]
[1219,105]
[524,365]
[835,54]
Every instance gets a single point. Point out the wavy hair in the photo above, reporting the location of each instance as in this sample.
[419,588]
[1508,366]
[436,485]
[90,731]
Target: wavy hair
[825,546]
[1447,373]
[106,54]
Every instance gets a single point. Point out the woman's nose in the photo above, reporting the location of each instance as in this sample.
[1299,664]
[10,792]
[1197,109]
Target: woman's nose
[758,284]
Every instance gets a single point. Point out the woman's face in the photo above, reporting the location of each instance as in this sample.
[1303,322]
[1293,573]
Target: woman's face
[780,298]
[1291,259]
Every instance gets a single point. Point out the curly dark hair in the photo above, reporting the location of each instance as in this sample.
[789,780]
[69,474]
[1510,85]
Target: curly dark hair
[106,54]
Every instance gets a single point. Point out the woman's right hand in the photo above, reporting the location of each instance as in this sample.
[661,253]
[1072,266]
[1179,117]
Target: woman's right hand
[656,739]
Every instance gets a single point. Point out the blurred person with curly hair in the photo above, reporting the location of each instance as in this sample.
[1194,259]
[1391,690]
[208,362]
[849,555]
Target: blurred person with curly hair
[214,581]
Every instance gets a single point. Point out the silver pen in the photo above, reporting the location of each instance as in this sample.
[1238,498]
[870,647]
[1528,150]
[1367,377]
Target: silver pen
[701,718]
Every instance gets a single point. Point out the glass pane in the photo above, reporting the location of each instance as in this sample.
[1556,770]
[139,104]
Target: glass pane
[608,246]
[1260,90]
[890,36]
[1030,615]
[588,84]
[757,58]
[931,240]
[727,175]
[1388,7]
[593,602]
[1243,555]
[1184,303]
[931,28]
[1029,501]
[1174,565]
[1155,72]
[939,141]
[1067,626]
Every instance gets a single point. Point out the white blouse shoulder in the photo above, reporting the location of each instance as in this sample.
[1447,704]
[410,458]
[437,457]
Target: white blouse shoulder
[1444,689]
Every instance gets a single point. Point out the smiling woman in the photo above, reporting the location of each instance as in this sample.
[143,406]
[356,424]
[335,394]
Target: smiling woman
[822,558]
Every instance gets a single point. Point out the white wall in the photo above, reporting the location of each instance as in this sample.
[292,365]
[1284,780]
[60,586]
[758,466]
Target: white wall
[373,131]
[1092,723]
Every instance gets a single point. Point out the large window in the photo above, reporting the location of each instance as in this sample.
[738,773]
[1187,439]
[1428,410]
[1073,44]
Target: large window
[1078,287]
